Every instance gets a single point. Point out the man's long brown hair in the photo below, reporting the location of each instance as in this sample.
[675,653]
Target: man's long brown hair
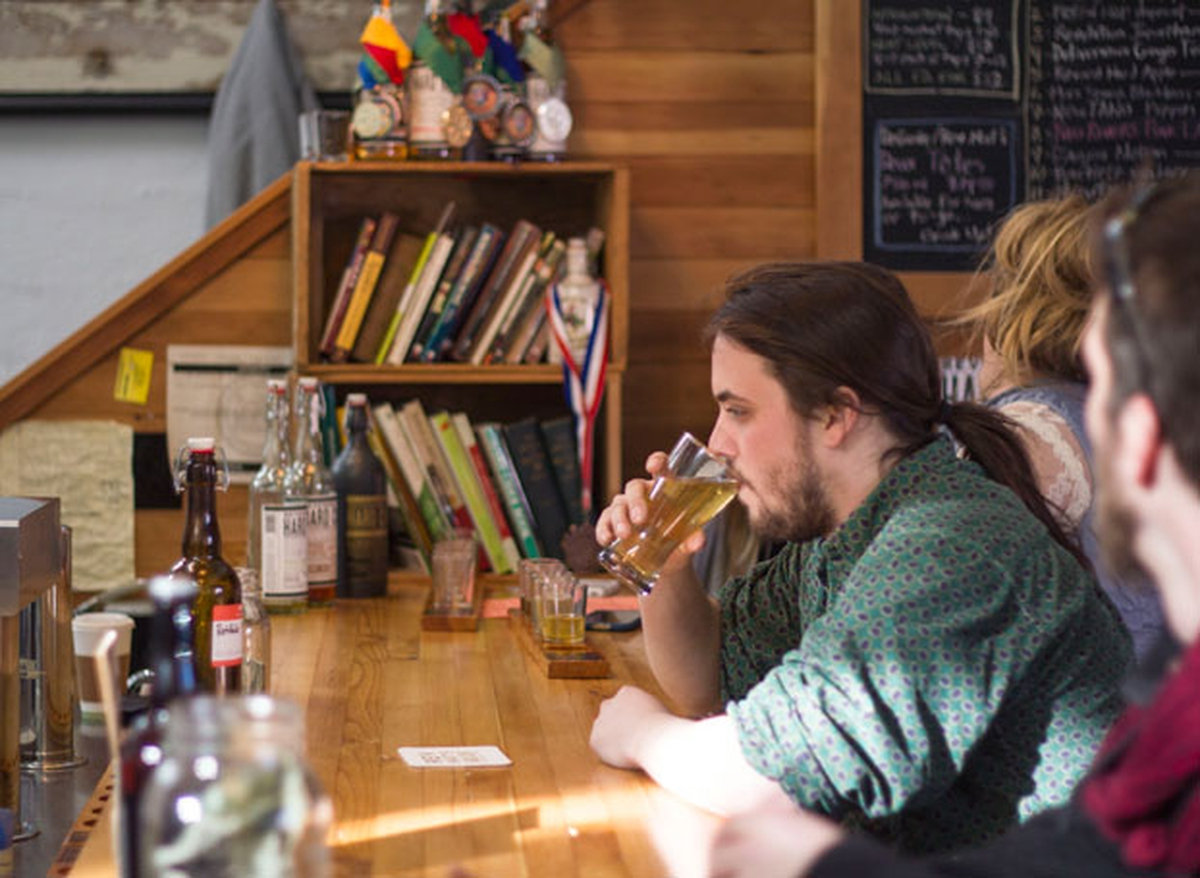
[824,326]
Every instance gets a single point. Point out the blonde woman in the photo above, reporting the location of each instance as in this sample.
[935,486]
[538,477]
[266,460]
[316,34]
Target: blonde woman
[1030,327]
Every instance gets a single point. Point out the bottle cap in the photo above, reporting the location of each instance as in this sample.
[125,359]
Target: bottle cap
[356,399]
[276,385]
[308,382]
[201,443]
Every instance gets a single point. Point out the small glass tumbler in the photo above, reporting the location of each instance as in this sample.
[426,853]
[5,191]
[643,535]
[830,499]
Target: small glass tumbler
[455,558]
[531,573]
[562,609]
[695,486]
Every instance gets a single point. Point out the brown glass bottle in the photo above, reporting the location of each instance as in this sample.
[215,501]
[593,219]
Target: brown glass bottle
[218,607]
[362,509]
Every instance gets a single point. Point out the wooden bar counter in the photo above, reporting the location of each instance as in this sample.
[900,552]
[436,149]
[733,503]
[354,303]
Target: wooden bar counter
[371,681]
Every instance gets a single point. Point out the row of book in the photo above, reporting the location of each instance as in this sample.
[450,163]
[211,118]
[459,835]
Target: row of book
[516,485]
[462,292]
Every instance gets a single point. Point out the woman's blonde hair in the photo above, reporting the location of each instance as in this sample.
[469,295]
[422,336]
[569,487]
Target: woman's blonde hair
[1040,274]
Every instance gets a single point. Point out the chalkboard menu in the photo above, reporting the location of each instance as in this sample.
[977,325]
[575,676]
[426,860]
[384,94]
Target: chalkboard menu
[973,107]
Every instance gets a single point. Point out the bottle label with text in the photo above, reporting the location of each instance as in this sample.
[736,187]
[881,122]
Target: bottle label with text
[285,550]
[322,539]
[366,538]
[227,635]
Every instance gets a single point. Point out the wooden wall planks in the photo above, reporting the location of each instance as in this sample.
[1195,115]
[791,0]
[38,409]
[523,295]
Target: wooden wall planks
[713,108]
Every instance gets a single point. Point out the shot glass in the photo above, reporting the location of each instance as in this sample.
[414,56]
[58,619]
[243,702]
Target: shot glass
[87,631]
[454,561]
[562,608]
[531,573]
[694,487]
[324,135]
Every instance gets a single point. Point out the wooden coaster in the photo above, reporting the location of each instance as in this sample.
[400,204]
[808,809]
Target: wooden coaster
[559,662]
[457,619]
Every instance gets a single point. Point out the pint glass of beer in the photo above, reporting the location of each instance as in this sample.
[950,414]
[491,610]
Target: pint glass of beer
[694,487]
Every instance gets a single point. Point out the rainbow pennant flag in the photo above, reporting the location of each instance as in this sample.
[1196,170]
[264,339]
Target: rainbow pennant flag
[385,54]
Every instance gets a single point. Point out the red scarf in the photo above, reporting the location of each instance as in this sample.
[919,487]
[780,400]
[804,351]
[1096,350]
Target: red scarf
[1144,792]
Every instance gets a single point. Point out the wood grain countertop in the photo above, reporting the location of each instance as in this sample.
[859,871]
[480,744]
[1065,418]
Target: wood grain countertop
[370,681]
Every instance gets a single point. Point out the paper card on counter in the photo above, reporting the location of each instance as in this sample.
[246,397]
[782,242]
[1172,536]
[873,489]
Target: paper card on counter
[453,757]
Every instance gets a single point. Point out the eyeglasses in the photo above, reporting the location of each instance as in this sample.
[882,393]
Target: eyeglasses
[1119,269]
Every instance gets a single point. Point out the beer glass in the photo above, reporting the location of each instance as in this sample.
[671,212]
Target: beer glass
[694,487]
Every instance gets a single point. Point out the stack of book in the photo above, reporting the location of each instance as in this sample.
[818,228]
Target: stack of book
[459,292]
[517,485]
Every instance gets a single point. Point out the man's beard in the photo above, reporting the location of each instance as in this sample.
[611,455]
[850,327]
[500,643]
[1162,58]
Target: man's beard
[1114,526]
[807,512]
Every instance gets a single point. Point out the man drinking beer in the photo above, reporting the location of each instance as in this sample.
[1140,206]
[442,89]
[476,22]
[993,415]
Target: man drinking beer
[926,656]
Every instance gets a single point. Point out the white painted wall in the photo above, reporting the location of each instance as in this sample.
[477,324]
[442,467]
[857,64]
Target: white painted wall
[90,206]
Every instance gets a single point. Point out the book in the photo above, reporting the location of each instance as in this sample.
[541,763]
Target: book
[561,446]
[400,497]
[341,298]
[536,352]
[530,305]
[463,244]
[411,470]
[532,464]
[486,528]
[470,280]
[524,235]
[407,298]
[364,286]
[414,307]
[504,476]
[397,269]
[466,435]
[433,460]
[506,300]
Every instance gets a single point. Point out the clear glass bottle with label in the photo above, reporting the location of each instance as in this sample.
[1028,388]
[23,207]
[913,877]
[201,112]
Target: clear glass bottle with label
[217,612]
[277,547]
[362,509]
[429,97]
[310,480]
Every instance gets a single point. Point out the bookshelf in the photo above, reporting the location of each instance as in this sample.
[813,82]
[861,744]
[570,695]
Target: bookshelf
[329,201]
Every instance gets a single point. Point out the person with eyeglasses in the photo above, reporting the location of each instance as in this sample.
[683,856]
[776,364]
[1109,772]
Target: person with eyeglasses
[1137,812]
[1029,327]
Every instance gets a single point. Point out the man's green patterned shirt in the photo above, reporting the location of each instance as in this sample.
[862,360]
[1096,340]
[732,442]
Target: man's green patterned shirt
[936,669]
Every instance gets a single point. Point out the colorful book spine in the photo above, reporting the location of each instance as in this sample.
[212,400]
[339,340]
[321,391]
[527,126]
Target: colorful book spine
[463,243]
[463,471]
[416,424]
[410,469]
[466,435]
[516,505]
[364,286]
[341,298]
[389,337]
[462,296]
[401,498]
[532,463]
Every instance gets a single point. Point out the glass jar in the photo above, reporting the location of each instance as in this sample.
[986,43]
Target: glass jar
[233,794]
[256,635]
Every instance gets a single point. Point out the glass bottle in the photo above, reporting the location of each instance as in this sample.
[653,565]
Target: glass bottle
[234,794]
[429,97]
[545,86]
[310,480]
[277,548]
[362,509]
[577,294]
[217,612]
[380,119]
[171,658]
[256,635]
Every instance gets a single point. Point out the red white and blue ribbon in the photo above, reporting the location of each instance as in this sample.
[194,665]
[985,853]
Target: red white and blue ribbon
[583,382]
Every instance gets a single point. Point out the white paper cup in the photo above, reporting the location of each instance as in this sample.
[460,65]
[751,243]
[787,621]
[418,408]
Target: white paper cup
[87,631]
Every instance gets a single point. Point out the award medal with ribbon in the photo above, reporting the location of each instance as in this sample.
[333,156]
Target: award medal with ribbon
[481,96]
[583,380]
[457,125]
